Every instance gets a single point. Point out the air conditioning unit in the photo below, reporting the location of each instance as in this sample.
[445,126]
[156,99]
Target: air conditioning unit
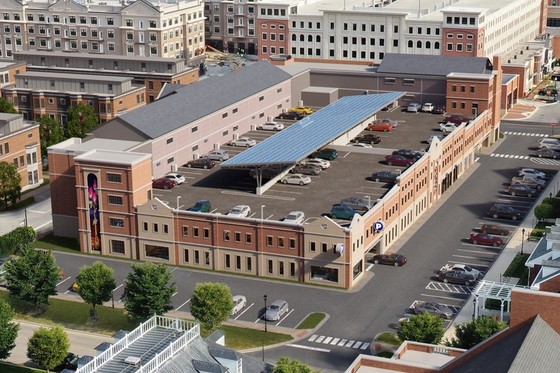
[133,360]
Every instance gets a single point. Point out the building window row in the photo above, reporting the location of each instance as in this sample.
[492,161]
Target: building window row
[423,31]
[471,21]
[426,44]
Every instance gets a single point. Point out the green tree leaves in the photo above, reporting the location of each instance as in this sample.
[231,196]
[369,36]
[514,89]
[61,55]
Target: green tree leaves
[211,304]
[8,329]
[287,365]
[81,120]
[51,132]
[423,328]
[10,179]
[471,333]
[48,347]
[6,107]
[95,284]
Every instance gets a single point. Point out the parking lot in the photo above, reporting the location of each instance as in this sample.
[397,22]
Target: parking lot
[348,176]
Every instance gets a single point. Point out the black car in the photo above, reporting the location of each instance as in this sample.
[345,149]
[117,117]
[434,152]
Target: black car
[368,139]
[547,153]
[70,362]
[326,153]
[439,109]
[522,190]
[201,163]
[306,169]
[358,204]
[499,210]
[410,154]
[291,115]
[385,176]
[389,259]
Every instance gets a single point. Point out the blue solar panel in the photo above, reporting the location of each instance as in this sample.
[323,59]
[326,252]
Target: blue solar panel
[296,142]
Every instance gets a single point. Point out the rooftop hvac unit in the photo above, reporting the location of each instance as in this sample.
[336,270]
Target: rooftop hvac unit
[132,360]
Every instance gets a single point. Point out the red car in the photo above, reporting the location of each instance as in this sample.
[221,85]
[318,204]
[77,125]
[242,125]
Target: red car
[486,239]
[398,160]
[380,127]
[163,183]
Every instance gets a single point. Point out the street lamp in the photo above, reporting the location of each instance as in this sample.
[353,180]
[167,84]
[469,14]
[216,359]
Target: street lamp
[113,298]
[368,202]
[178,198]
[522,239]
[264,316]
[25,217]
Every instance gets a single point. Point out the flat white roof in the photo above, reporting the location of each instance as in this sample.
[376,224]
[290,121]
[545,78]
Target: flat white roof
[77,146]
[112,156]
[66,76]
[296,68]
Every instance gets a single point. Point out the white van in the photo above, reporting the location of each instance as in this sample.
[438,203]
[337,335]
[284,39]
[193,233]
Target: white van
[549,143]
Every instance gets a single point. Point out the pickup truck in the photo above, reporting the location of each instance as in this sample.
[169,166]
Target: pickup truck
[528,180]
[447,127]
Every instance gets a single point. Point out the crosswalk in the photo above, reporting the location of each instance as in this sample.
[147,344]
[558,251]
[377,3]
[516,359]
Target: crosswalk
[536,160]
[512,156]
[525,134]
[340,342]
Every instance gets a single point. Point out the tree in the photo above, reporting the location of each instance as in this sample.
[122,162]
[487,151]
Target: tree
[10,180]
[423,328]
[32,276]
[51,132]
[15,241]
[148,291]
[95,284]
[287,365]
[211,304]
[48,347]
[473,332]
[544,211]
[81,120]
[8,329]
[6,106]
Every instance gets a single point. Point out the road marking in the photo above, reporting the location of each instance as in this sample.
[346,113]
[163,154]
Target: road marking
[313,338]
[342,342]
[308,348]
[364,346]
[36,211]
[66,279]
[357,344]
[350,343]
[184,303]
[285,317]
[320,339]
[175,293]
[327,340]
[369,267]
[440,297]
[261,196]
[531,134]
[335,341]
[245,310]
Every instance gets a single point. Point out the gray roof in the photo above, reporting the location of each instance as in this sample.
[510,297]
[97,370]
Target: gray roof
[206,366]
[169,88]
[417,64]
[529,347]
[97,56]
[203,98]
[68,76]
[224,353]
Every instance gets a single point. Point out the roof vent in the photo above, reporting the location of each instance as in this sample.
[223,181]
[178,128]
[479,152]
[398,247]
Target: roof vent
[132,360]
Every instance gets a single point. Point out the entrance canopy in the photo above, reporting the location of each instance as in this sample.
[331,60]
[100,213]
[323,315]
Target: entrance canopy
[296,142]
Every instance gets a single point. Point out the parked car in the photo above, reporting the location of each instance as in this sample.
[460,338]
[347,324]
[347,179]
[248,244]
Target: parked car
[163,183]
[75,287]
[499,210]
[323,163]
[521,190]
[305,110]
[380,127]
[177,178]
[546,153]
[433,308]
[398,160]
[485,239]
[532,172]
[243,142]
[358,204]
[359,145]
[389,259]
[456,277]
[407,153]
[201,163]
[306,169]
[297,179]
[240,211]
[457,119]
[367,139]
[344,212]
[413,107]
[494,229]
[462,268]
[385,176]
[201,206]
[295,217]
[325,153]
[428,107]
[70,362]
[266,172]
[528,180]
[447,127]
[439,109]
[239,302]
[276,310]
[291,115]
[217,155]
[271,126]
[433,137]
[549,143]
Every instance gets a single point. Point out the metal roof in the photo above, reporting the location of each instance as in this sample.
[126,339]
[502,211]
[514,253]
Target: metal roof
[296,142]
[416,64]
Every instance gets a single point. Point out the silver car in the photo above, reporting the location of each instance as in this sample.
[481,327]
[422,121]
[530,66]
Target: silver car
[297,179]
[243,142]
[295,217]
[433,308]
[240,211]
[239,302]
[276,310]
[217,155]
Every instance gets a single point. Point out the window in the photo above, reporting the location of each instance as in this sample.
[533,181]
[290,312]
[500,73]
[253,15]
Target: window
[116,222]
[206,232]
[145,226]
[227,262]
[292,243]
[249,264]
[195,231]
[408,81]
[117,247]
[248,238]
[196,257]
[115,200]
[165,229]
[113,178]
[390,81]
[169,140]
[159,252]
[155,227]
[280,241]
[281,268]
[226,235]
[324,247]
[268,240]
[270,266]
[238,262]
[292,269]
[312,246]
[185,230]
[186,255]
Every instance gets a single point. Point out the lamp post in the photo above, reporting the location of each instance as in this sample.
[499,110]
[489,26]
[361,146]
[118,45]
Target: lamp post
[262,218]
[522,239]
[264,316]
[113,298]
[178,198]
[25,217]
[368,202]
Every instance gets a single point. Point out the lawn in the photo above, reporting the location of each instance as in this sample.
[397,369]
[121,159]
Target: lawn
[311,321]
[517,269]
[50,242]
[9,368]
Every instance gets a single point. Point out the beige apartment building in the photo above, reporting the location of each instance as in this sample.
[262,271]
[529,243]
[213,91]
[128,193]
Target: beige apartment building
[140,28]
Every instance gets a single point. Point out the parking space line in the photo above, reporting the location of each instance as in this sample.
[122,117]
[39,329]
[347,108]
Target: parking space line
[255,196]
[184,303]
[245,310]
[441,297]
[63,281]
[308,348]
[285,317]
[479,252]
[369,267]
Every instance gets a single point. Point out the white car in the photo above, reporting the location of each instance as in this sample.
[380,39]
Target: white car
[549,143]
[244,141]
[359,145]
[295,217]
[413,107]
[177,178]
[428,107]
[240,211]
[217,155]
[462,268]
[271,126]
[447,127]
[532,172]
[323,163]
[297,179]
[431,138]
[239,302]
